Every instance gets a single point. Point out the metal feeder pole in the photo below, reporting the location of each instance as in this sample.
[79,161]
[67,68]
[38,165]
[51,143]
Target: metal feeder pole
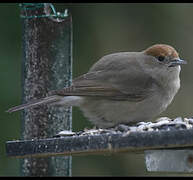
[47,65]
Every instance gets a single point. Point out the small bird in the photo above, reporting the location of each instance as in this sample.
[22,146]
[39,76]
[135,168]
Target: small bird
[122,88]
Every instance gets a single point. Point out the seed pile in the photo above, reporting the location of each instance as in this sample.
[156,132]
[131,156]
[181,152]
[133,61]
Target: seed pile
[161,124]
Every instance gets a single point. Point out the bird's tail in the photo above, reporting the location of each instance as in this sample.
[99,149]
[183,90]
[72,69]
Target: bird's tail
[46,100]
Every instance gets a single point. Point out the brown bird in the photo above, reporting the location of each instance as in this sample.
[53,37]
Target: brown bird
[122,88]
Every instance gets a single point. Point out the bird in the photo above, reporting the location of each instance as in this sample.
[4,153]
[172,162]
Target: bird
[122,87]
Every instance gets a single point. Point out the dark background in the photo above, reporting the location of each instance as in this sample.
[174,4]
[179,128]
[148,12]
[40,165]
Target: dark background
[98,29]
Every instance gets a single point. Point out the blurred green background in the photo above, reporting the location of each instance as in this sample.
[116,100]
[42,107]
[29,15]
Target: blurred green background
[98,29]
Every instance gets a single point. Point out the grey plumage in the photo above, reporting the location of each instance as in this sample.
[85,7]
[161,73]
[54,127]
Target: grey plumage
[122,87]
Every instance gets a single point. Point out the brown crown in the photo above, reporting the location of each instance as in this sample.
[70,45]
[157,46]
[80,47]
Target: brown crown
[161,50]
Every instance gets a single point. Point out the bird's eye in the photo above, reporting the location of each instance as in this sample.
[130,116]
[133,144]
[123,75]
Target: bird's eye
[161,58]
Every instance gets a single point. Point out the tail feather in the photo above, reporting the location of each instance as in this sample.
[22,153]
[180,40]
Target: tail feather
[32,103]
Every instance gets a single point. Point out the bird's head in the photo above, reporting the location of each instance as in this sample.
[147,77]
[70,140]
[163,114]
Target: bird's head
[165,55]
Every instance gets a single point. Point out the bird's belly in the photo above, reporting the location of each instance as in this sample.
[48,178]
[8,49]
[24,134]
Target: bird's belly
[109,113]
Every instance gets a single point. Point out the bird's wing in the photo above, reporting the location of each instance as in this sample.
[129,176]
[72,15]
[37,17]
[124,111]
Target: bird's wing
[117,82]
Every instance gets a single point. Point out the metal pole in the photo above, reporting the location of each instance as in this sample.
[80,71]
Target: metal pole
[47,65]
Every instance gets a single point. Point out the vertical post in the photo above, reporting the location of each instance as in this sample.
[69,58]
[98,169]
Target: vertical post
[47,65]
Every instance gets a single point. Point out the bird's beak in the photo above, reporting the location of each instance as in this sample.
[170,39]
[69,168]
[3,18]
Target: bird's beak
[176,62]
